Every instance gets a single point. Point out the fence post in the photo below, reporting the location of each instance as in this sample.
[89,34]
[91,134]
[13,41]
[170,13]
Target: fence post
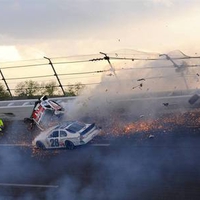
[178,67]
[3,78]
[56,75]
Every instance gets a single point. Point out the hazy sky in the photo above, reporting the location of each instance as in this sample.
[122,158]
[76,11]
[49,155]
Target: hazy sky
[36,28]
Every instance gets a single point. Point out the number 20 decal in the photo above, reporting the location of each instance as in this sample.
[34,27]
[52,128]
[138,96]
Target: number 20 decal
[54,143]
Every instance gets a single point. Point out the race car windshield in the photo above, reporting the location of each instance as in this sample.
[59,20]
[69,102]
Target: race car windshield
[65,124]
[75,127]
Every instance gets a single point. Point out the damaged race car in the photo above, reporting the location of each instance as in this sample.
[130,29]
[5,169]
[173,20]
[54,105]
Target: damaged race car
[67,135]
[45,114]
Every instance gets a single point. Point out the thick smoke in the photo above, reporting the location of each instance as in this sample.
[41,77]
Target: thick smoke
[159,169]
[131,88]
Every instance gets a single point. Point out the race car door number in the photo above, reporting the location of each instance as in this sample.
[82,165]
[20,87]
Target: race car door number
[54,142]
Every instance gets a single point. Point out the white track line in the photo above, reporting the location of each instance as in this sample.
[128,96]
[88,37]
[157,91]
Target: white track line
[28,145]
[28,185]
[14,145]
[100,145]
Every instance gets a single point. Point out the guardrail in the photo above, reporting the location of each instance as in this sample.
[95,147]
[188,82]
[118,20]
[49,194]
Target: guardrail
[30,102]
[19,109]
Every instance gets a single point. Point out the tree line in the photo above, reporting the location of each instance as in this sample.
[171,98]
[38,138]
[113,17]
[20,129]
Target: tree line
[31,89]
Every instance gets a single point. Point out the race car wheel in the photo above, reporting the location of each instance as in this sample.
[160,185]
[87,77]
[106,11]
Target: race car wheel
[30,124]
[69,145]
[40,145]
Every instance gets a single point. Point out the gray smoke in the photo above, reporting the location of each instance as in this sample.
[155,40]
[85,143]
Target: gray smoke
[134,172]
[128,170]
[134,88]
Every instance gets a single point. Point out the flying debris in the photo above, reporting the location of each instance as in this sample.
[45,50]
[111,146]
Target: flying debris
[141,79]
[134,87]
[166,104]
[138,86]
[193,99]
[151,136]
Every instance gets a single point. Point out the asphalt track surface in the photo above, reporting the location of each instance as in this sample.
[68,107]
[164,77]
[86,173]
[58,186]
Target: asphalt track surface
[132,166]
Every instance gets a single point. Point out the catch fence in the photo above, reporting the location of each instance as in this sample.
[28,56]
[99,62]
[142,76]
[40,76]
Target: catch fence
[96,69]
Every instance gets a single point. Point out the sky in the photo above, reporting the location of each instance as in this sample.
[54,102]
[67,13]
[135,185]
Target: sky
[31,29]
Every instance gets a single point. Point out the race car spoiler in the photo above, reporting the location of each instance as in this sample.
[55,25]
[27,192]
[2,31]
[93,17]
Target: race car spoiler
[88,129]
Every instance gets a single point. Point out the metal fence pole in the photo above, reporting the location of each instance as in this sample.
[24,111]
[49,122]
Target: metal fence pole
[3,78]
[178,67]
[56,75]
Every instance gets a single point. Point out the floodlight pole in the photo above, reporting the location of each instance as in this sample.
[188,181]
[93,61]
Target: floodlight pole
[56,75]
[3,78]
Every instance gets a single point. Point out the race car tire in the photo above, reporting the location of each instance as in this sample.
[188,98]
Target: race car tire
[30,124]
[40,145]
[69,145]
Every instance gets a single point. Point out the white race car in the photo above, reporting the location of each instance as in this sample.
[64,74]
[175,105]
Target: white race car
[67,135]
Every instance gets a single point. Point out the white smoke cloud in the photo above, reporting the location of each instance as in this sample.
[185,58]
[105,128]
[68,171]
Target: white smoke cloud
[135,79]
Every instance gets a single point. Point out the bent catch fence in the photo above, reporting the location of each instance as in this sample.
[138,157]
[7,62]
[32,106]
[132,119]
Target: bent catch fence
[133,69]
